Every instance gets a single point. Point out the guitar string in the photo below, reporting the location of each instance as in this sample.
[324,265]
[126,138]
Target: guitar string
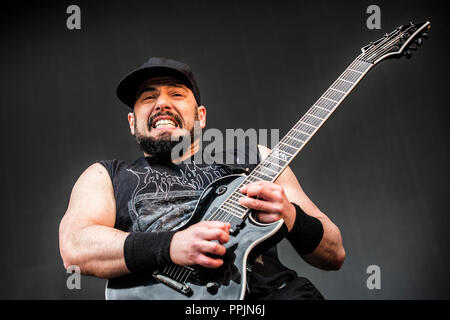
[182,271]
[225,215]
[398,34]
[375,52]
[378,52]
[375,47]
[303,125]
[300,126]
[358,64]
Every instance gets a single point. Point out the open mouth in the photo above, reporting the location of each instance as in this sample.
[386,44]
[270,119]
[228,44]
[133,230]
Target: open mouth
[164,122]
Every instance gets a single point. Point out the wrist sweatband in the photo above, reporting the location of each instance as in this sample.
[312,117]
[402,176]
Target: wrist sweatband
[145,251]
[306,233]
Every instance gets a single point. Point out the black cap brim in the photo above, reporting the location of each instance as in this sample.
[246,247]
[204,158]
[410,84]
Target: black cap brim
[128,87]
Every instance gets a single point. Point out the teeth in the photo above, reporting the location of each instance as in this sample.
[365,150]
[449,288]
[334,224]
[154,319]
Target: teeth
[165,124]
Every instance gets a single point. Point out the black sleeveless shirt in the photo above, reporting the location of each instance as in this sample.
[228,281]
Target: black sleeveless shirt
[151,197]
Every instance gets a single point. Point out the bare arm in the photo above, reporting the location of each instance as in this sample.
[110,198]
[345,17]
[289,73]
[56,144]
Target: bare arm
[330,253]
[87,237]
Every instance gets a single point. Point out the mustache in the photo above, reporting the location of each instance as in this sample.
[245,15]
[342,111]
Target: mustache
[176,117]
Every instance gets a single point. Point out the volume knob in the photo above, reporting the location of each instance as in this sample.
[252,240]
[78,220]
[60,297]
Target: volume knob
[212,287]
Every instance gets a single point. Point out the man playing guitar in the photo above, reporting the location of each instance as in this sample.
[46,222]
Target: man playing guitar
[124,218]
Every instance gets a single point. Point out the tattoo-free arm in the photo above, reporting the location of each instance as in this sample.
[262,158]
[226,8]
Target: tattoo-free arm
[330,253]
[87,237]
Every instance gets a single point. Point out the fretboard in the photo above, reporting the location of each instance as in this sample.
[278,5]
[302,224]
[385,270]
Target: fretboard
[290,145]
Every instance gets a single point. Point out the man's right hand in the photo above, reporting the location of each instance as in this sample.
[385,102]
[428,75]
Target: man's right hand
[190,246]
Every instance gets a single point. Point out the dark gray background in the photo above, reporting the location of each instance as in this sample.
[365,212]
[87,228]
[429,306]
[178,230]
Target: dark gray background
[378,168]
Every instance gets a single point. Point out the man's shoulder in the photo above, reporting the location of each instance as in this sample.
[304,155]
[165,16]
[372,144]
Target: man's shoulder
[113,166]
[115,161]
[110,163]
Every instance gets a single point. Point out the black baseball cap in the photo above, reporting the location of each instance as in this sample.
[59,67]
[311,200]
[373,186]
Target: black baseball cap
[155,67]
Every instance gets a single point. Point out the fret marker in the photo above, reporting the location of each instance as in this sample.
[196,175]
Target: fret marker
[280,155]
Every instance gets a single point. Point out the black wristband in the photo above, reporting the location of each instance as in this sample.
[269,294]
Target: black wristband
[145,251]
[306,233]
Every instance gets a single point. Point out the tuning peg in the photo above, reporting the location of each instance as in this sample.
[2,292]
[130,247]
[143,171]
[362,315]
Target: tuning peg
[418,41]
[408,54]
[413,47]
[425,35]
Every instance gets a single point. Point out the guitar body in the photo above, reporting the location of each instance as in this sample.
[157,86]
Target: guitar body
[247,238]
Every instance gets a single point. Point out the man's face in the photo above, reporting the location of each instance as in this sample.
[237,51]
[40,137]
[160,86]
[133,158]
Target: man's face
[165,110]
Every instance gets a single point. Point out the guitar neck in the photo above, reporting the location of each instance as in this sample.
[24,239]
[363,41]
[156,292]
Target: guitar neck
[290,145]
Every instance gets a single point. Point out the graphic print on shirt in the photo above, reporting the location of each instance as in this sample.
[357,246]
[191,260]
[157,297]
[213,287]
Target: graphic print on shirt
[161,201]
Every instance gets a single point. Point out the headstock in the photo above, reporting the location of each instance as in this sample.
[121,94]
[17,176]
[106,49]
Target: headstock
[399,42]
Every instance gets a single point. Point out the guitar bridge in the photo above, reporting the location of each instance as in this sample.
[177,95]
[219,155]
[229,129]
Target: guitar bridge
[180,287]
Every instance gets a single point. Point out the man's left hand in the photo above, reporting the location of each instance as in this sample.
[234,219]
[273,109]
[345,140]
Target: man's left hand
[270,202]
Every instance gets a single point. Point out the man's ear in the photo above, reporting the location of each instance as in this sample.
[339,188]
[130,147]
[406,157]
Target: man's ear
[131,122]
[202,116]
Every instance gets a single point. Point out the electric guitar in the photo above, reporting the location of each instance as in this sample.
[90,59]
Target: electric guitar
[220,200]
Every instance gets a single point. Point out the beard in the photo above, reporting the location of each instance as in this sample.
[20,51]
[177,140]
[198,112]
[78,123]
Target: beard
[160,148]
